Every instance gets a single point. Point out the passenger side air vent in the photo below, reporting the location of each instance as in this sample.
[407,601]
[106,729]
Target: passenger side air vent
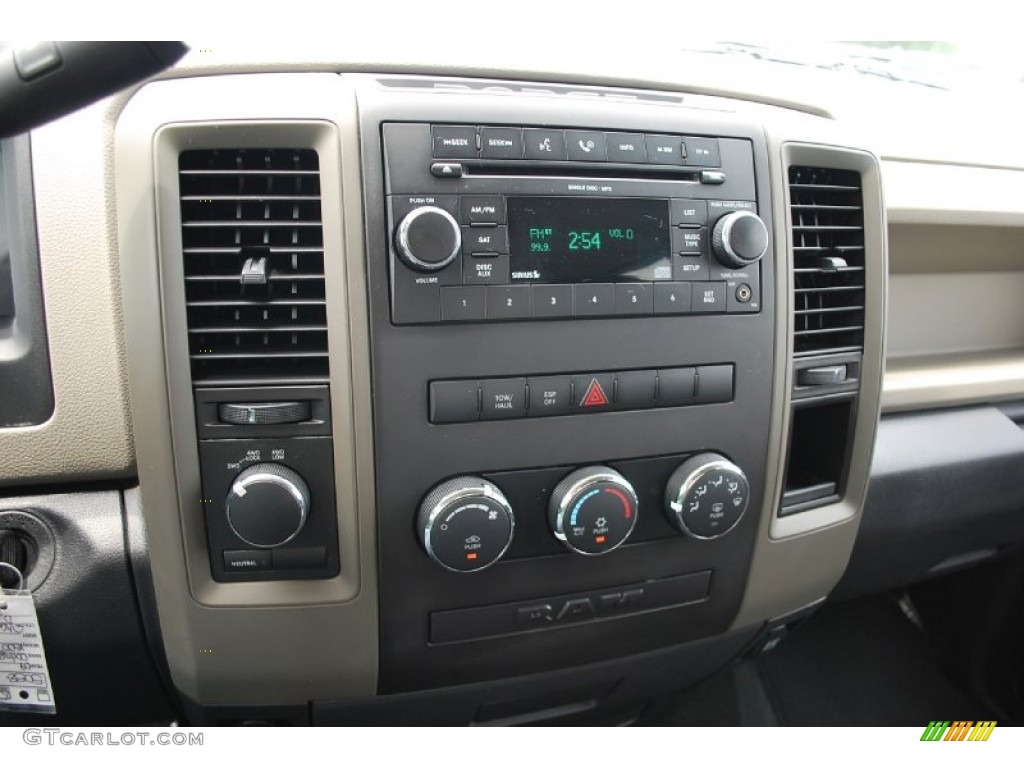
[252,244]
[827,216]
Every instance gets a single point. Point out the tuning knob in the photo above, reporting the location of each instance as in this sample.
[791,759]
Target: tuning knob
[428,238]
[706,496]
[739,239]
[465,524]
[267,505]
[593,510]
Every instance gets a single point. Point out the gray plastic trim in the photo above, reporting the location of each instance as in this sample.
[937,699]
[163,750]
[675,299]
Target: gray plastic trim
[308,639]
[800,558]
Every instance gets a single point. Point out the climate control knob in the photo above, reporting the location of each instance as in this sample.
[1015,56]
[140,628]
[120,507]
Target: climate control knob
[706,496]
[739,239]
[267,505]
[465,524]
[593,510]
[428,238]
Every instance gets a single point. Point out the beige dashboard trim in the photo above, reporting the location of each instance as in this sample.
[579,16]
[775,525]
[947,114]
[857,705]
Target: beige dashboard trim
[947,380]
[311,640]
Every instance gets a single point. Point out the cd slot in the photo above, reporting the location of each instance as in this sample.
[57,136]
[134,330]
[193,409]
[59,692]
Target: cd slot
[578,170]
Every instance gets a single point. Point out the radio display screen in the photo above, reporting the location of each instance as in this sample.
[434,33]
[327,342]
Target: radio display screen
[588,240]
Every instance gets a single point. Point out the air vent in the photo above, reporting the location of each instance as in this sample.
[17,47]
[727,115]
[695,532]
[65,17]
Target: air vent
[252,242]
[828,260]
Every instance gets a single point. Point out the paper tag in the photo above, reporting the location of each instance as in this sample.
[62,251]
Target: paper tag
[25,684]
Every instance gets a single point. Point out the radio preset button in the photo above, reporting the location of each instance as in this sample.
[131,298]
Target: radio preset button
[594,299]
[508,302]
[702,151]
[634,299]
[543,144]
[482,209]
[686,213]
[501,143]
[677,386]
[709,297]
[586,145]
[634,390]
[552,301]
[454,401]
[462,303]
[664,150]
[626,148]
[502,399]
[486,270]
[672,298]
[484,240]
[550,395]
[457,141]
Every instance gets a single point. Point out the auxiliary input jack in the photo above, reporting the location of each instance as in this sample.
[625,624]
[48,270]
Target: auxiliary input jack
[744,293]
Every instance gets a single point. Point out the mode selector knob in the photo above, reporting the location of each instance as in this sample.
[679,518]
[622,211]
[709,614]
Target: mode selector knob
[706,496]
[428,238]
[739,239]
[593,510]
[465,524]
[267,505]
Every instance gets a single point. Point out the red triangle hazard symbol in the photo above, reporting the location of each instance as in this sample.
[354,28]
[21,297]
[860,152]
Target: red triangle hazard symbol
[595,395]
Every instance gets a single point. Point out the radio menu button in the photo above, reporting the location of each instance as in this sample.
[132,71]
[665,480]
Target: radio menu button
[626,148]
[709,297]
[501,143]
[694,268]
[485,270]
[482,209]
[508,302]
[552,301]
[686,213]
[543,144]
[550,395]
[503,399]
[594,299]
[484,240]
[462,303]
[671,298]
[664,150]
[586,145]
[634,299]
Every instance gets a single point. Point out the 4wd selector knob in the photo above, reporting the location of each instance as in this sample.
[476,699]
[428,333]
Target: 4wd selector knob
[593,510]
[465,524]
[706,496]
[267,505]
[739,239]
[428,238]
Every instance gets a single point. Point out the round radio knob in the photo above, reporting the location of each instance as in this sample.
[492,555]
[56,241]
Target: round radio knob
[267,505]
[428,238]
[465,524]
[739,239]
[706,496]
[593,510]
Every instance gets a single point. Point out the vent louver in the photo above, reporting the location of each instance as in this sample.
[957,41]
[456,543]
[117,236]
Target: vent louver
[827,217]
[252,244]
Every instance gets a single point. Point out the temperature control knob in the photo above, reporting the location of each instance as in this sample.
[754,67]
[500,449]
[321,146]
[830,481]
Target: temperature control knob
[706,496]
[739,239]
[465,524]
[428,238]
[267,505]
[593,510]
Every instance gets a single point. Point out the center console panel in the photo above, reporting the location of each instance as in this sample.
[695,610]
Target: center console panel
[572,326]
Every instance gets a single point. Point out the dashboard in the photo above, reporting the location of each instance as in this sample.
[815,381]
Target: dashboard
[493,398]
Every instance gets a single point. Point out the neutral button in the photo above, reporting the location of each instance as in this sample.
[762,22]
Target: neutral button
[454,140]
[686,213]
[485,270]
[664,150]
[501,143]
[626,148]
[714,384]
[709,297]
[701,151]
[484,240]
[671,298]
[552,300]
[508,302]
[462,302]
[482,209]
[550,395]
[242,560]
[594,299]
[634,299]
[635,389]
[542,144]
[676,386]
[593,392]
[503,399]
[454,401]
[586,145]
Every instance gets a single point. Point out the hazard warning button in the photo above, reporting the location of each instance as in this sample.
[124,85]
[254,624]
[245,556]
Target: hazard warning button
[593,392]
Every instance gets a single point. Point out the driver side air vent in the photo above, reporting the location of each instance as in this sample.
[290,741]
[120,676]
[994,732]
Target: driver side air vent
[252,244]
[827,217]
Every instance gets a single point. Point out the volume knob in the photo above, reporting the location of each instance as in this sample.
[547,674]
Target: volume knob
[428,238]
[739,239]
